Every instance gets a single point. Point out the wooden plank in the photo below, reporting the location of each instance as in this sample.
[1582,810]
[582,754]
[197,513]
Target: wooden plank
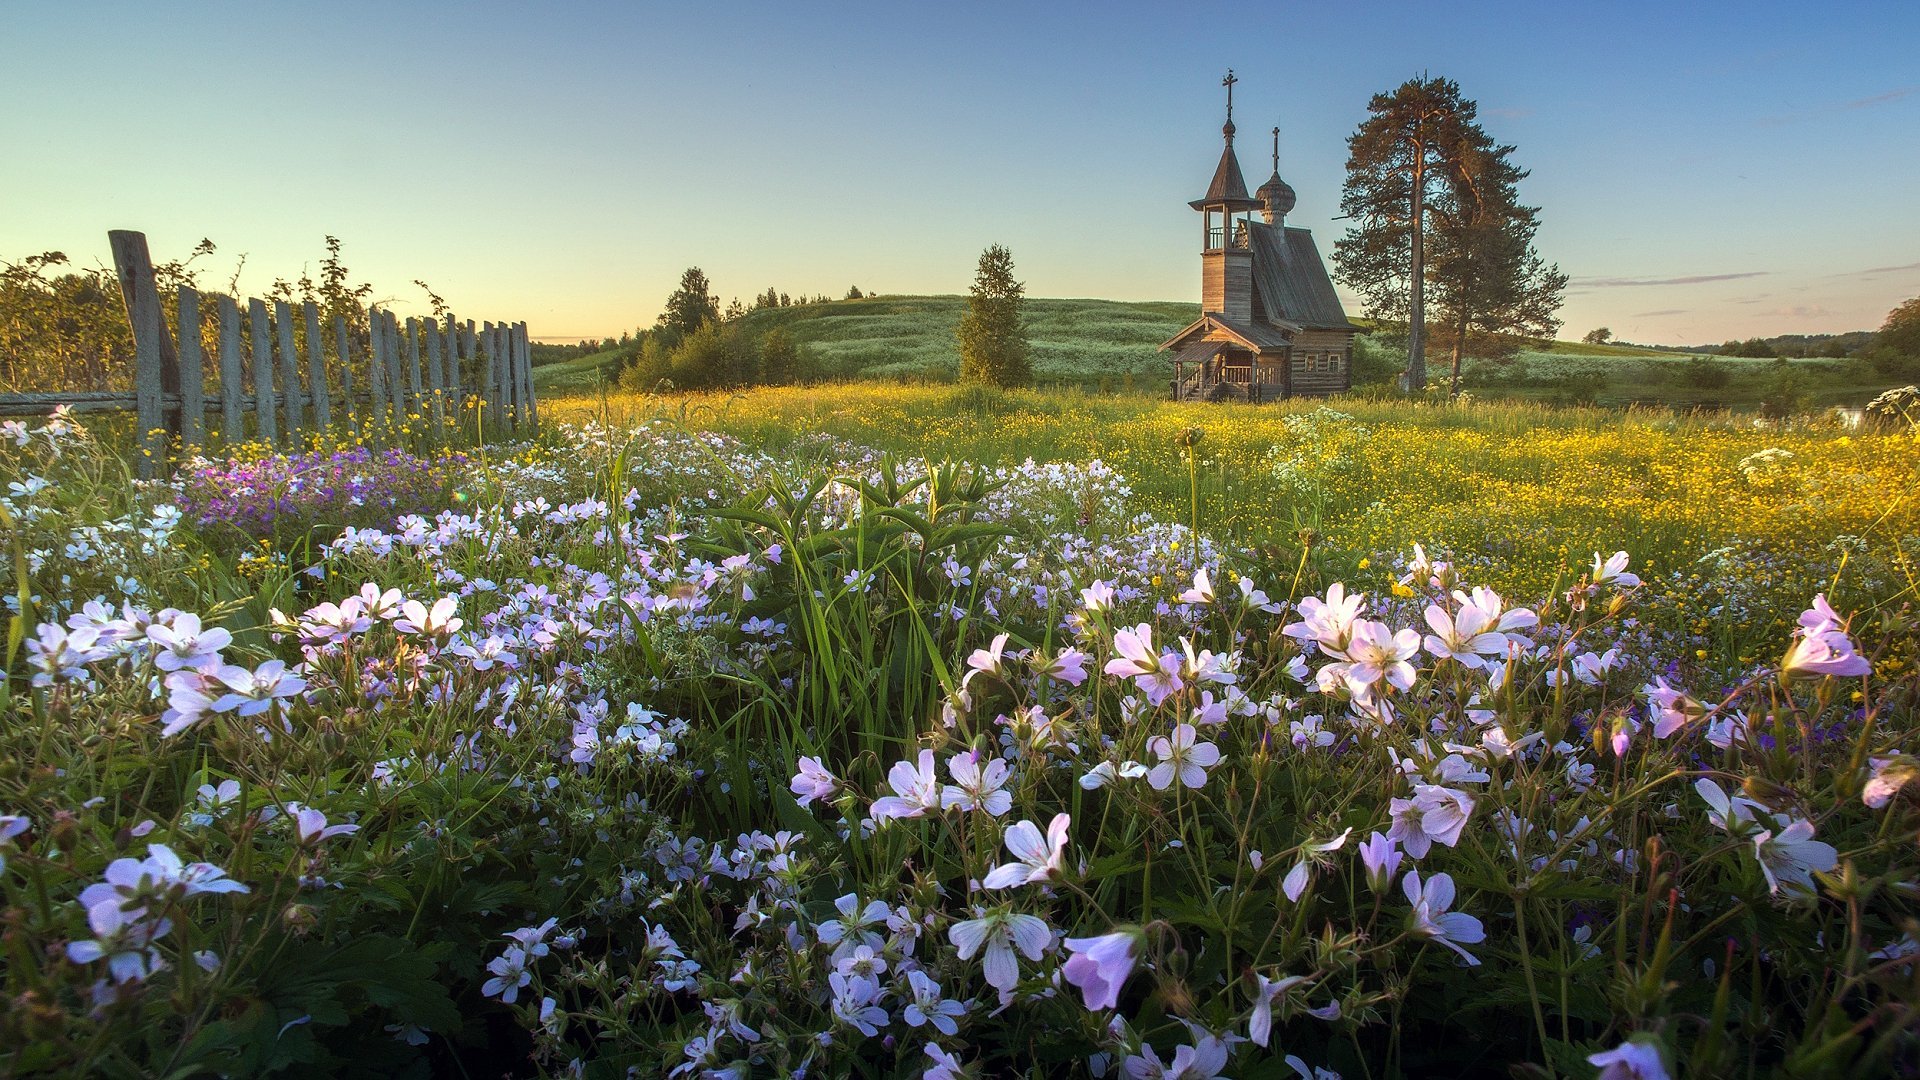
[414,407]
[91,401]
[263,399]
[469,349]
[292,399]
[317,386]
[528,415]
[156,369]
[376,366]
[193,370]
[496,379]
[396,387]
[233,425]
[344,351]
[436,380]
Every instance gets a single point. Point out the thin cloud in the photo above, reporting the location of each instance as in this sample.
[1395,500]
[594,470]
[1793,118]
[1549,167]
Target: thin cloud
[1902,268]
[1662,311]
[1631,283]
[1884,98]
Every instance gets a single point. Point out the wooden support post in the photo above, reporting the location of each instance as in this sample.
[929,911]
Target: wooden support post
[290,394]
[193,371]
[317,384]
[376,367]
[490,377]
[470,348]
[413,367]
[532,399]
[156,368]
[453,367]
[396,386]
[348,406]
[436,380]
[233,424]
[263,401]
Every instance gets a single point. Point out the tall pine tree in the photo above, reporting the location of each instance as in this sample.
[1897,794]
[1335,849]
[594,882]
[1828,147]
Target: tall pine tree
[993,336]
[1435,204]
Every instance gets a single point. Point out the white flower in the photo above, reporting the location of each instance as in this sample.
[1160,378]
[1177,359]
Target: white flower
[1431,918]
[312,828]
[1260,1022]
[945,1066]
[510,974]
[1731,815]
[1789,856]
[1328,623]
[1202,591]
[437,621]
[853,1002]
[928,1005]
[1466,637]
[1434,815]
[1630,1061]
[977,785]
[1040,857]
[994,937]
[1613,569]
[1380,654]
[1180,756]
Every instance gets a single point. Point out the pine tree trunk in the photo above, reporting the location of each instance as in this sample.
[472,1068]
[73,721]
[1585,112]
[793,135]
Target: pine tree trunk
[1459,345]
[1417,322]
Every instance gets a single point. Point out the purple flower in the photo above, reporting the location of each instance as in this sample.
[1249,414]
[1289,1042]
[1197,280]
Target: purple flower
[1100,965]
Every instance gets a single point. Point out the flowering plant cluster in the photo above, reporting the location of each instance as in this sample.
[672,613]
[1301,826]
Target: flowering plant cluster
[677,759]
[352,485]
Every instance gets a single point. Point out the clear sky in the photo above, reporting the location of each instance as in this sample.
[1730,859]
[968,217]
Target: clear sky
[1706,170]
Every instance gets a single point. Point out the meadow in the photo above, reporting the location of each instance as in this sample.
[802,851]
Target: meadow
[1112,346]
[897,731]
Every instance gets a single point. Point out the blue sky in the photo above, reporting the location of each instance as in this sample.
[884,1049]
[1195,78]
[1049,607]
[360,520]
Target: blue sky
[1704,170]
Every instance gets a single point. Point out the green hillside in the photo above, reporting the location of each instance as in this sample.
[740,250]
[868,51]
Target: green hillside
[1094,341]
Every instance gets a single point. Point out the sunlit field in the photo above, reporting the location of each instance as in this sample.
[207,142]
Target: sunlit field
[900,731]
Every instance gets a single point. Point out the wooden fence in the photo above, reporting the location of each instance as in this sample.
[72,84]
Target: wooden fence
[372,380]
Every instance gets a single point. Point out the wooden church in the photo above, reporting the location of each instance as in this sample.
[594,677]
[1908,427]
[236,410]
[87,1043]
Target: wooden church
[1270,323]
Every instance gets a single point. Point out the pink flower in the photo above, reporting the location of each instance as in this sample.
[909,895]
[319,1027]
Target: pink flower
[1672,708]
[813,781]
[1157,675]
[437,621]
[1466,637]
[1381,859]
[994,938]
[1069,667]
[1328,623]
[1434,815]
[1100,966]
[1821,646]
[916,790]
[1380,655]
[1040,858]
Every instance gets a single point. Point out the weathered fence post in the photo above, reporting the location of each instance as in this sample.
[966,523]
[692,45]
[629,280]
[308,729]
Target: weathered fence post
[436,379]
[290,394]
[396,386]
[523,371]
[347,405]
[233,387]
[376,366]
[156,368]
[263,401]
[317,386]
[193,371]
[413,366]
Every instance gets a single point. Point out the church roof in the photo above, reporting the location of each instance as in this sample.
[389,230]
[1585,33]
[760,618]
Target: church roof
[1270,336]
[1229,187]
[1292,281]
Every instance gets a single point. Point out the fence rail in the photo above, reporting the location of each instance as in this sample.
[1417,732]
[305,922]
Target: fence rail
[444,370]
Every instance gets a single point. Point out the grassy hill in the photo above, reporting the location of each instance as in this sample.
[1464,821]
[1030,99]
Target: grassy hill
[1116,343]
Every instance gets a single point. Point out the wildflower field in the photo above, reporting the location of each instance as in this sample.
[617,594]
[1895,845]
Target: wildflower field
[824,733]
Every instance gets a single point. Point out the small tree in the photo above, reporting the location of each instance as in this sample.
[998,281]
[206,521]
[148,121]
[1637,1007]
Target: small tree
[1598,336]
[993,337]
[779,357]
[691,306]
[854,293]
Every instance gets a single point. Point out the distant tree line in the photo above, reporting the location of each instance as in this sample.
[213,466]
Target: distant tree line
[695,345]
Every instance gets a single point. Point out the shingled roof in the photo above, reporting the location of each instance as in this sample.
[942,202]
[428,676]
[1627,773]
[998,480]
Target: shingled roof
[1229,187]
[1291,280]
